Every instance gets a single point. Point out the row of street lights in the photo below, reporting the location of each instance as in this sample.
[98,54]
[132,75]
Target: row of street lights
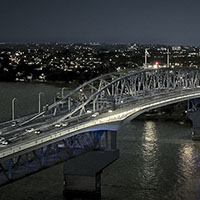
[39,102]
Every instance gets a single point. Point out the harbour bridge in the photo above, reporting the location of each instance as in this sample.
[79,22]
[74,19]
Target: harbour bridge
[88,118]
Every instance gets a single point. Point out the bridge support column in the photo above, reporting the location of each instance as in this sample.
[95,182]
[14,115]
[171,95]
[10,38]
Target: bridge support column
[82,174]
[110,140]
[195,117]
[113,139]
[193,108]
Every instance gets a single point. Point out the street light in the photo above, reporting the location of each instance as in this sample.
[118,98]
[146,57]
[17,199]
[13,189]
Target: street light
[63,91]
[39,102]
[62,94]
[13,108]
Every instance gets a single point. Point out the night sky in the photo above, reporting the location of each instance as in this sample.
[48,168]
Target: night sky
[106,21]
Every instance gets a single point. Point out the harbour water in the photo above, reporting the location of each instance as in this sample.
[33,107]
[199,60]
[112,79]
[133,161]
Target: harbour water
[27,97]
[158,159]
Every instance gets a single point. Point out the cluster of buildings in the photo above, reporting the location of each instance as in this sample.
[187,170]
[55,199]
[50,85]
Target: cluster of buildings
[66,62]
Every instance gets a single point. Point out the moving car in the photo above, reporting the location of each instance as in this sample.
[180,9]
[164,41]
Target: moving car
[3,141]
[29,130]
[58,125]
[95,114]
[64,124]
[38,132]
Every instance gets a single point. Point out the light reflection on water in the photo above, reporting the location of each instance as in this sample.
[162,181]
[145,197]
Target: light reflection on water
[150,132]
[186,160]
[149,150]
[187,171]
[160,160]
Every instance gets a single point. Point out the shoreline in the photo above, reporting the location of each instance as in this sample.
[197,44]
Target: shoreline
[73,84]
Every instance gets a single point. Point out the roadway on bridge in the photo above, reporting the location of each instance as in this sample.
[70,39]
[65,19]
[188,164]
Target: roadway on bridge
[52,132]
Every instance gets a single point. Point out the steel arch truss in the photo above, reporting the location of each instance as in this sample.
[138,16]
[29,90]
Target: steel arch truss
[75,98]
[116,91]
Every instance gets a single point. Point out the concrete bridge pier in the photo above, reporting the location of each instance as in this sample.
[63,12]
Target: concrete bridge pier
[82,174]
[194,116]
[193,113]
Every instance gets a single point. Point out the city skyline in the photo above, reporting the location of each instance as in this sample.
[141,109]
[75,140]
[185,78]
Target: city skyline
[113,21]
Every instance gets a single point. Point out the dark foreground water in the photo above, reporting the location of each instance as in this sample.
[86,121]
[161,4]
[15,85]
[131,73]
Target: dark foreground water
[158,161]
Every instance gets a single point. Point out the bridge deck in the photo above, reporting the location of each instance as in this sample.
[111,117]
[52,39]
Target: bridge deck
[104,121]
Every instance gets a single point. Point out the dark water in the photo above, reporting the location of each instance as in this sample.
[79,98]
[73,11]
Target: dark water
[158,161]
[27,95]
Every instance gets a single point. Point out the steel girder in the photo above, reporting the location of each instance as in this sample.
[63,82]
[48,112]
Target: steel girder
[47,156]
[193,105]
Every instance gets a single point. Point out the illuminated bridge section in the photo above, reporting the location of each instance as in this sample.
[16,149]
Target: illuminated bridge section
[92,111]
